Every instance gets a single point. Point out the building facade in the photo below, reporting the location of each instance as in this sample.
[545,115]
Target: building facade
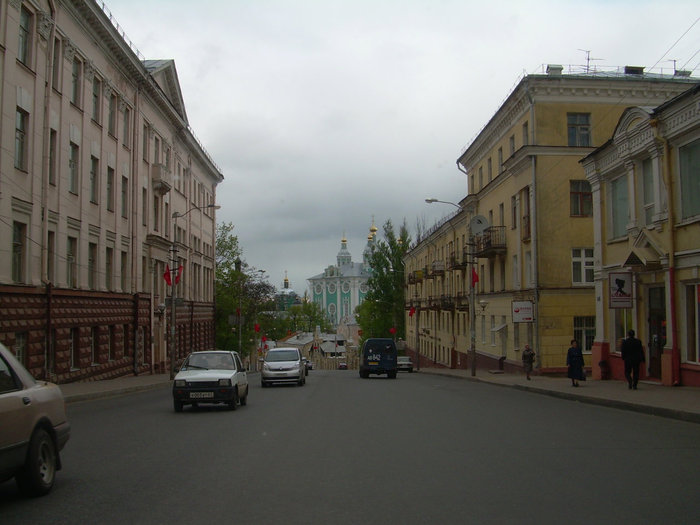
[343,286]
[525,228]
[102,186]
[646,210]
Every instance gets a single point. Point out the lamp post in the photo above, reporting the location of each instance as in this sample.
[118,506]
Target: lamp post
[173,293]
[240,312]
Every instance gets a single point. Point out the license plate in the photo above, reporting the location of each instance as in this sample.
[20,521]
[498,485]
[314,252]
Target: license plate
[373,362]
[201,395]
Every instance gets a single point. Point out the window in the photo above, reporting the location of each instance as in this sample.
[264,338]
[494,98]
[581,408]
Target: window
[72,262]
[74,348]
[481,177]
[500,160]
[56,73]
[76,82]
[483,329]
[20,348]
[582,265]
[109,267]
[92,265]
[110,189]
[96,93]
[501,215]
[25,36]
[579,129]
[123,271]
[21,122]
[94,344]
[94,179]
[516,273]
[19,251]
[492,276]
[125,197]
[619,206]
[156,213]
[503,274]
[144,211]
[73,168]
[526,137]
[648,192]
[581,198]
[693,324]
[528,269]
[127,126]
[53,138]
[623,323]
[513,212]
[51,257]
[490,169]
[690,179]
[146,132]
[511,144]
[584,331]
[112,115]
[156,150]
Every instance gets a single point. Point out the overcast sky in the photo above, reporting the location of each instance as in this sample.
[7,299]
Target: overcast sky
[324,113]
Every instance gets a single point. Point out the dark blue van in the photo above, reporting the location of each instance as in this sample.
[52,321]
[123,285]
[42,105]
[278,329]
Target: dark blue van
[378,357]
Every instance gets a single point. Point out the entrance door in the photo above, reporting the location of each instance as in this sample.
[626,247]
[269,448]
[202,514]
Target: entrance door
[657,329]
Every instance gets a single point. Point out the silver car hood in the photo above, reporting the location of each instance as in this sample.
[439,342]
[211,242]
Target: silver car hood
[205,375]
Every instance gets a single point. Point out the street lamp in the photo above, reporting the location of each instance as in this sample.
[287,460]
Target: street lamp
[173,293]
[430,201]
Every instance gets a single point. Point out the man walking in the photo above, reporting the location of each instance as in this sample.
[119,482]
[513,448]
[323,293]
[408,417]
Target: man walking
[633,356]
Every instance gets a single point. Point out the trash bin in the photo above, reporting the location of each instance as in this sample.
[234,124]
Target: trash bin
[604,370]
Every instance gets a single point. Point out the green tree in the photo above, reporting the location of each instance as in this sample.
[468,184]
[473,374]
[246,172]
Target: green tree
[240,294]
[383,306]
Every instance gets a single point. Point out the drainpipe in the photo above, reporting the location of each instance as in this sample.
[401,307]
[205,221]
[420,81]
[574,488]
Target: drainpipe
[534,233]
[668,180]
[49,354]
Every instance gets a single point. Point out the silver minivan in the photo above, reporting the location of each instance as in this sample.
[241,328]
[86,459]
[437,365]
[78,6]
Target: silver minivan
[283,365]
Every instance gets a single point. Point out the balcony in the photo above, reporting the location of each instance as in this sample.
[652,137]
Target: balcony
[437,268]
[160,178]
[415,276]
[433,302]
[447,302]
[491,242]
[462,301]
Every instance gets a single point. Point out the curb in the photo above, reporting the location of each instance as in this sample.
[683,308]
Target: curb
[669,413]
[100,394]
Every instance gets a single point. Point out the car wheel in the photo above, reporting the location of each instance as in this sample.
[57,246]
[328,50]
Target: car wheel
[392,375]
[39,472]
[263,383]
[244,399]
[234,400]
[410,370]
[177,405]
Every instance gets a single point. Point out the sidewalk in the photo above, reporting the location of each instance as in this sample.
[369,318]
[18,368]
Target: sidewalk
[672,402]
[681,402]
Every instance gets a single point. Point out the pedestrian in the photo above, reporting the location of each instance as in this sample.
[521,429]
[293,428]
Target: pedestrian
[633,356]
[528,359]
[574,360]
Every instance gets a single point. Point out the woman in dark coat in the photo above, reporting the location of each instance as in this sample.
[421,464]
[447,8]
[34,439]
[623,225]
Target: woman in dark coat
[574,360]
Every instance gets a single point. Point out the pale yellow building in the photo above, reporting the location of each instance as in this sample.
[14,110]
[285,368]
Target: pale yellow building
[533,245]
[646,209]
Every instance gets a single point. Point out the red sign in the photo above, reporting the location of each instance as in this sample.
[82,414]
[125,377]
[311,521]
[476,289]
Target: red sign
[392,330]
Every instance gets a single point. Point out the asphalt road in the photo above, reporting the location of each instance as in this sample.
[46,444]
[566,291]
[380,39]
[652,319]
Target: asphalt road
[343,450]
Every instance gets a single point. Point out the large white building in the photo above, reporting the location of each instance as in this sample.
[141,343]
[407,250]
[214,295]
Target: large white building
[102,184]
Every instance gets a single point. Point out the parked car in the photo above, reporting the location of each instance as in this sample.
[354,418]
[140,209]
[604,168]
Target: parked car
[342,365]
[283,365]
[403,362]
[306,366]
[310,365]
[378,357]
[215,376]
[33,427]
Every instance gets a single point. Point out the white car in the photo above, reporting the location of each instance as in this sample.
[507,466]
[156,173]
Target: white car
[283,365]
[403,362]
[215,376]
[33,427]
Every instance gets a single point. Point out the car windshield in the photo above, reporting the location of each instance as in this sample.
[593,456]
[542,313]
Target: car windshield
[404,359]
[282,355]
[211,360]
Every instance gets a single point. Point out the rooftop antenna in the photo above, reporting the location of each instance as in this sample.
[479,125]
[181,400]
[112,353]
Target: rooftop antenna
[588,59]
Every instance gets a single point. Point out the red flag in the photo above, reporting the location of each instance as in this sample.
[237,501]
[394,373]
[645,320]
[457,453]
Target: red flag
[257,327]
[264,338]
[475,278]
[392,330]
[166,275]
[179,274]
[412,311]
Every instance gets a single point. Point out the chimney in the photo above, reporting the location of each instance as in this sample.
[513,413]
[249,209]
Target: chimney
[634,70]
[554,70]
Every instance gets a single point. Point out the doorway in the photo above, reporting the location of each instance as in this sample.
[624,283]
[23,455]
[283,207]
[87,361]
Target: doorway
[657,329]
